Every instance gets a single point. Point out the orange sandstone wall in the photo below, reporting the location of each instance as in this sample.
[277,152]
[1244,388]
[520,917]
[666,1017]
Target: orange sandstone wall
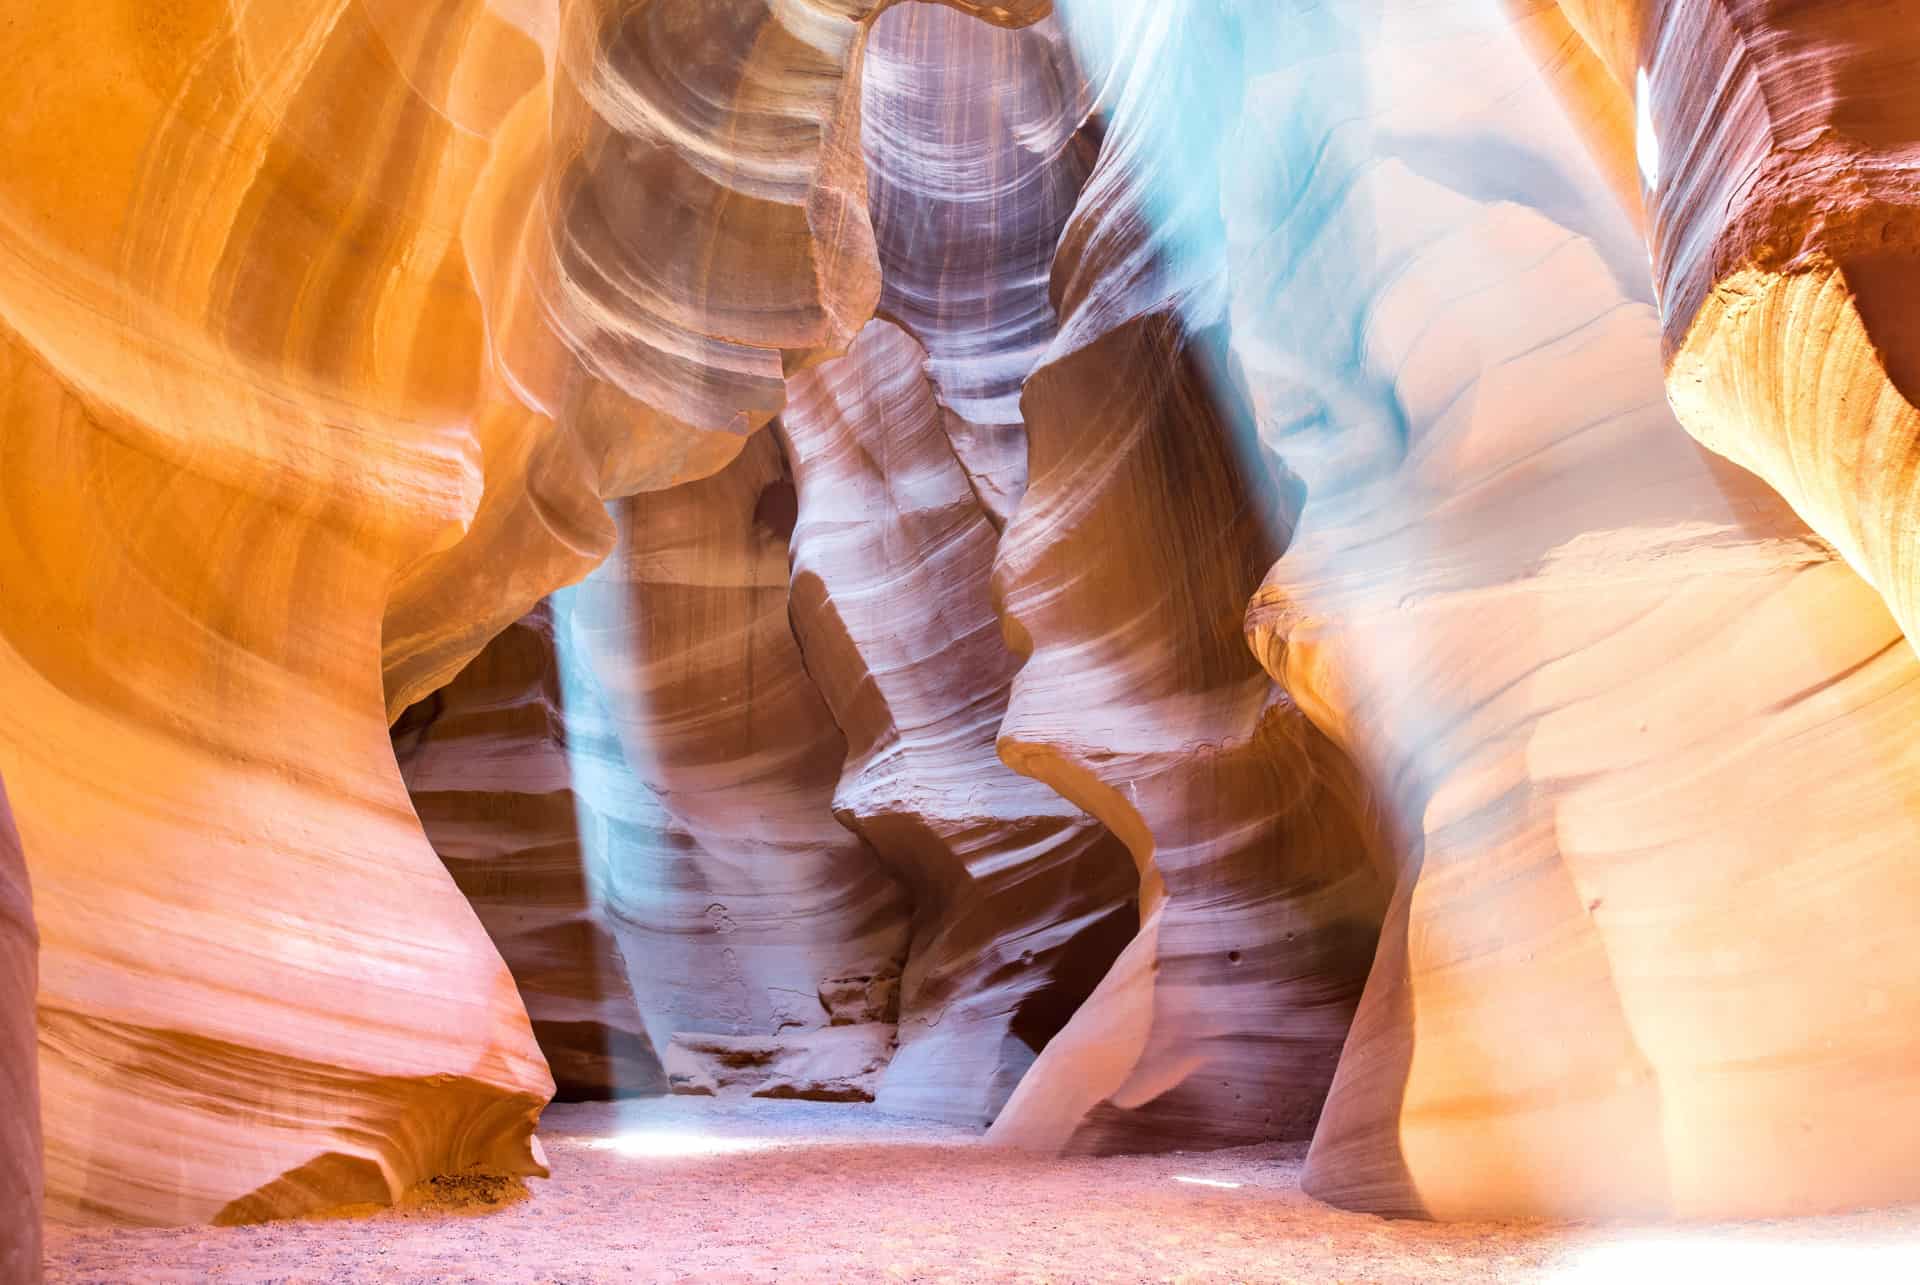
[21,1179]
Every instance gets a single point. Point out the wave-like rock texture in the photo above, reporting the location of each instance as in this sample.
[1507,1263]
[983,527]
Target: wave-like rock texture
[1123,576]
[704,748]
[669,213]
[486,761]
[326,331]
[259,991]
[21,1180]
[975,154]
[241,367]
[633,784]
[970,132]
[1778,152]
[1021,900]
[1644,736]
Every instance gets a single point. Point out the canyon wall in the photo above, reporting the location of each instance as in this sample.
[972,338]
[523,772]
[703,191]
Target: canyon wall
[1123,577]
[487,763]
[975,153]
[1254,518]
[634,785]
[1640,730]
[325,337]
[22,1182]
[737,896]
[1777,151]
[1021,901]
[259,992]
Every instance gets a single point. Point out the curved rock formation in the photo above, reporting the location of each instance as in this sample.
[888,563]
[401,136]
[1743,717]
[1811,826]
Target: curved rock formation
[486,762]
[327,332]
[975,155]
[667,221]
[259,992]
[21,1180]
[1643,734]
[324,334]
[701,743]
[634,786]
[1779,160]
[1124,576]
[1021,900]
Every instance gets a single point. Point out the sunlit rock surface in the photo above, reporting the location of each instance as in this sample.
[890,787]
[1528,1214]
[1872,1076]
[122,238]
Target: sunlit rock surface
[21,1181]
[976,149]
[1645,737]
[1021,900]
[701,742]
[634,784]
[1124,575]
[259,991]
[485,760]
[1778,152]
[325,333]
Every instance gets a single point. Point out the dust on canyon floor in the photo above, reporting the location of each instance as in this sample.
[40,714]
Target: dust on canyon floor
[692,1189]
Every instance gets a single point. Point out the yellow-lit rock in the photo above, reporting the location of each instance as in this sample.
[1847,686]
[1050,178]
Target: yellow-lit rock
[1644,735]
[1778,157]
[324,333]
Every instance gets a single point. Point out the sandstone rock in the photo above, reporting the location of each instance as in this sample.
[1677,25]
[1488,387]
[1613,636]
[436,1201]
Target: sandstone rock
[825,1064]
[699,738]
[1642,734]
[663,222]
[1021,901]
[850,1000]
[22,1182]
[1124,576]
[260,994]
[323,335]
[976,149]
[634,784]
[327,332]
[1779,165]
[486,763]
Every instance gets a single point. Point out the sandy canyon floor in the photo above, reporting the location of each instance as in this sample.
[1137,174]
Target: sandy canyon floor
[690,1189]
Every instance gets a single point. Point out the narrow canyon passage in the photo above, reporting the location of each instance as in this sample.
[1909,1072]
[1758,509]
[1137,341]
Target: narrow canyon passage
[975,640]
[697,1190]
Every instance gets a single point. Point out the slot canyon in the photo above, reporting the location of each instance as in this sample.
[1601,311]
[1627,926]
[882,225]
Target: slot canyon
[959,640]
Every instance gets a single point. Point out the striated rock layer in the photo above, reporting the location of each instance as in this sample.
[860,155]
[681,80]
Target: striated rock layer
[822,1064]
[1123,577]
[1021,900]
[975,153]
[634,785]
[667,220]
[1778,159]
[698,739]
[486,762]
[21,1180]
[259,992]
[323,335]
[1644,736]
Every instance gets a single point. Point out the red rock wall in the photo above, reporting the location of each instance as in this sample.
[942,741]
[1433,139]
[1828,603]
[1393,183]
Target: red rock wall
[1123,578]
[736,895]
[325,333]
[1778,152]
[486,762]
[1021,901]
[22,1182]
[1636,724]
